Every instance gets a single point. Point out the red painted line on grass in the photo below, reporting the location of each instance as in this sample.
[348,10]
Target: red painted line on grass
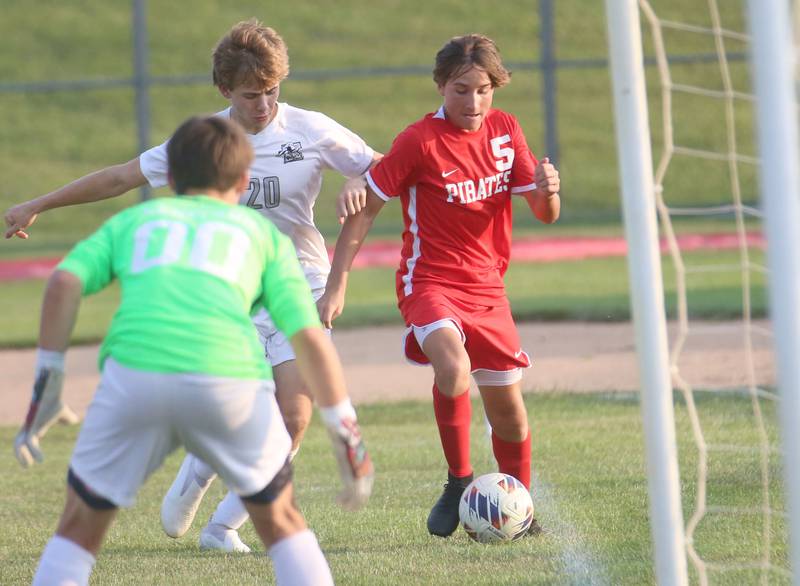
[387,253]
[31,268]
[567,248]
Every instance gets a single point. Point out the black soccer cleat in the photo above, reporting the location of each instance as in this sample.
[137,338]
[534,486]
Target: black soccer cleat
[535,529]
[443,518]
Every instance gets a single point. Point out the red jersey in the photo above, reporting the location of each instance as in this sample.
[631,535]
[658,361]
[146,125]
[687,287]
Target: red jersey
[455,188]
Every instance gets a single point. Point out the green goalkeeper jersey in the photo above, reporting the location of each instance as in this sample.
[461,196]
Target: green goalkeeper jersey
[192,270]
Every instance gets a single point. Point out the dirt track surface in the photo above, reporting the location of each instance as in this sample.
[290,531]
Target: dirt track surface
[574,357]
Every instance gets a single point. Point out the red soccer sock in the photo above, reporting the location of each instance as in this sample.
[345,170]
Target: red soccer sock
[514,458]
[453,417]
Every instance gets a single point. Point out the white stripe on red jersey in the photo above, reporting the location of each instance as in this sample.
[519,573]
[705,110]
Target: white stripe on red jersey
[455,187]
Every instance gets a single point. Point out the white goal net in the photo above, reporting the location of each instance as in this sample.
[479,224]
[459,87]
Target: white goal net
[706,167]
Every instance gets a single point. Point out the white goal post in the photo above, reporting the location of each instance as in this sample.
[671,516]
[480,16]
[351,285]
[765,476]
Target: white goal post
[774,57]
[773,61]
[647,292]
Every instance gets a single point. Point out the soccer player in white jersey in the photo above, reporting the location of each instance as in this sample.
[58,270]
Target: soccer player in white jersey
[292,148]
[182,364]
[455,171]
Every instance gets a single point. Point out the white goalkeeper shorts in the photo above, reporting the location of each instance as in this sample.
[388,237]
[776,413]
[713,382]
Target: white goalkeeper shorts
[137,418]
[277,348]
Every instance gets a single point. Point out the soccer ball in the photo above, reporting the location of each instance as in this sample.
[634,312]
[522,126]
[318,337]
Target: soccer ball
[495,508]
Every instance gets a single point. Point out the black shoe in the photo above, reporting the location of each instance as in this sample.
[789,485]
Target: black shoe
[443,518]
[535,529]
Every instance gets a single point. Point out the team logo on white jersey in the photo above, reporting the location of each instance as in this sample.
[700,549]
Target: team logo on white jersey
[291,151]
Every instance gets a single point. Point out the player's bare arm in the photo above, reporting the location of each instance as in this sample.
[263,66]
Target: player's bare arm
[108,182]
[352,236]
[319,366]
[62,299]
[322,371]
[353,196]
[544,201]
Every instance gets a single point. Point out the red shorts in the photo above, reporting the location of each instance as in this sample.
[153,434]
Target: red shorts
[488,331]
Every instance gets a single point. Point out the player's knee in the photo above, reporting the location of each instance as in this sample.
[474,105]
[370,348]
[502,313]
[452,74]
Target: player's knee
[284,519]
[273,510]
[296,410]
[510,427]
[270,493]
[275,519]
[296,424]
[452,377]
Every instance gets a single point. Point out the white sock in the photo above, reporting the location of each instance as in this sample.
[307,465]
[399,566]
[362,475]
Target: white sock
[298,561]
[203,473]
[49,359]
[63,562]
[230,512]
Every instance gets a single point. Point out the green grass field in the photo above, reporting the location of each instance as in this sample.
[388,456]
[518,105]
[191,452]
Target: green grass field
[591,486]
[590,494]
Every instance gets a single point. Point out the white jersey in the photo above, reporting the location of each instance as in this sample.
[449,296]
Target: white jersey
[286,176]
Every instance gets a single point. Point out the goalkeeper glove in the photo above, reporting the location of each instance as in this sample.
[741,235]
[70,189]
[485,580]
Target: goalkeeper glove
[355,467]
[45,409]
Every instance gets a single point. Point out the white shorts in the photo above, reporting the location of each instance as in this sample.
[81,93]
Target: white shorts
[422,332]
[277,348]
[137,418]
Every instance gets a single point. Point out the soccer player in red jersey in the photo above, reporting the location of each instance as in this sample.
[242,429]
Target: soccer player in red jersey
[455,172]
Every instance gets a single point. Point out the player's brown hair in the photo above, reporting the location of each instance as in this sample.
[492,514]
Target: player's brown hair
[460,54]
[250,53]
[208,153]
